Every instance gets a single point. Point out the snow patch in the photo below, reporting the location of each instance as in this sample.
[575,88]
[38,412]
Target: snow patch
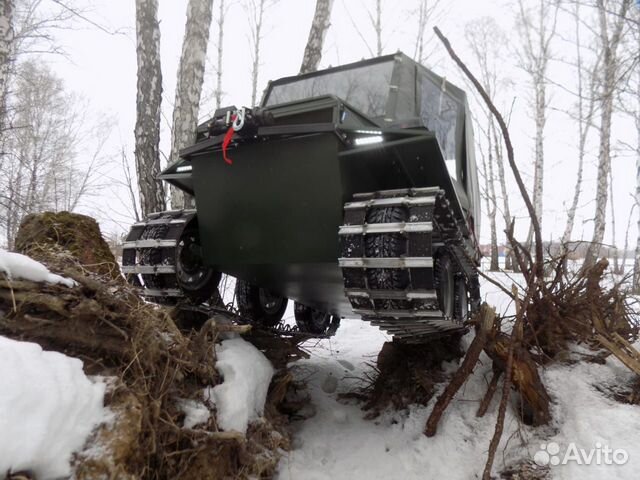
[586,418]
[339,443]
[247,374]
[48,407]
[196,413]
[20,267]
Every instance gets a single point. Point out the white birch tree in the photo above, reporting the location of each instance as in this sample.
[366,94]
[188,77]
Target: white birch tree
[256,10]
[486,41]
[319,26]
[611,23]
[537,27]
[148,101]
[189,86]
[222,13]
[585,110]
[427,13]
[40,170]
[635,112]
[6,45]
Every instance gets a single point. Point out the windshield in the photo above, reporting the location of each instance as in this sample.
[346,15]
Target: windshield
[366,88]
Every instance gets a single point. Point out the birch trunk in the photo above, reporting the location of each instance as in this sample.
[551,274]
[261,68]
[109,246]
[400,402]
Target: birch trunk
[625,250]
[319,27]
[585,121]
[256,34]
[189,87]
[616,266]
[610,66]
[541,120]
[509,264]
[6,42]
[490,200]
[220,22]
[148,100]
[377,24]
[537,29]
[636,263]
[494,266]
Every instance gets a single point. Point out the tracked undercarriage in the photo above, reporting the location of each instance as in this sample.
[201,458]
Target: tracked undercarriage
[398,249]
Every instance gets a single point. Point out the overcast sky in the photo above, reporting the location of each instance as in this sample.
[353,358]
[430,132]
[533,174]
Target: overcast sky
[102,68]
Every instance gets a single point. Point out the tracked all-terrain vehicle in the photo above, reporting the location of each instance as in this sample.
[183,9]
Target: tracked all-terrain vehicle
[352,191]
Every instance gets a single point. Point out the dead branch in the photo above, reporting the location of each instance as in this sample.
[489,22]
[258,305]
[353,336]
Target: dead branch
[488,396]
[510,155]
[487,317]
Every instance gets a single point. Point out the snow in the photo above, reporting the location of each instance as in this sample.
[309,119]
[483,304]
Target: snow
[196,413]
[20,267]
[337,442]
[247,374]
[48,407]
[586,417]
[338,439]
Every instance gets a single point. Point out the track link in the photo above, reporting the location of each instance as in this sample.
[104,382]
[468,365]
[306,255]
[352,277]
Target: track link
[409,309]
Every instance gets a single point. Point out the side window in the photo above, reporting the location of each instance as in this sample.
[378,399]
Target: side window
[439,113]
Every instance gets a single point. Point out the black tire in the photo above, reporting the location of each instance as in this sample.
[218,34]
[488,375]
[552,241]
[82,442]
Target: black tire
[461,299]
[445,285]
[386,245]
[259,304]
[197,280]
[310,320]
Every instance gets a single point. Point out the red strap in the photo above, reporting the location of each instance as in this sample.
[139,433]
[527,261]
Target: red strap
[225,144]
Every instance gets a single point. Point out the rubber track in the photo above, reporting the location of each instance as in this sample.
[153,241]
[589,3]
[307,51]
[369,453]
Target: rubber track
[415,320]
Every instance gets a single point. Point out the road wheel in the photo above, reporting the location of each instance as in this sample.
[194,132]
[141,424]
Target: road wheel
[260,304]
[445,285]
[310,320]
[461,299]
[197,280]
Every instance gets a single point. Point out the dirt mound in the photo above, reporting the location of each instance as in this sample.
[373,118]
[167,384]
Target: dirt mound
[154,368]
[77,234]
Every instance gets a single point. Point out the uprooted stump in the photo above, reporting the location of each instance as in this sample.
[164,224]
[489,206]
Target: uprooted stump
[79,235]
[407,374]
[155,367]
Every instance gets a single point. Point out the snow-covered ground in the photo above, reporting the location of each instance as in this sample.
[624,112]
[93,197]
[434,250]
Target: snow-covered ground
[337,443]
[48,407]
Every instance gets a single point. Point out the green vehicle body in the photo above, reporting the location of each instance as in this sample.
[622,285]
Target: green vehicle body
[271,218]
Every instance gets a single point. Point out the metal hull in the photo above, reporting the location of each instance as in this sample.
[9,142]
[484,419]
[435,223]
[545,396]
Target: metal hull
[272,217]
